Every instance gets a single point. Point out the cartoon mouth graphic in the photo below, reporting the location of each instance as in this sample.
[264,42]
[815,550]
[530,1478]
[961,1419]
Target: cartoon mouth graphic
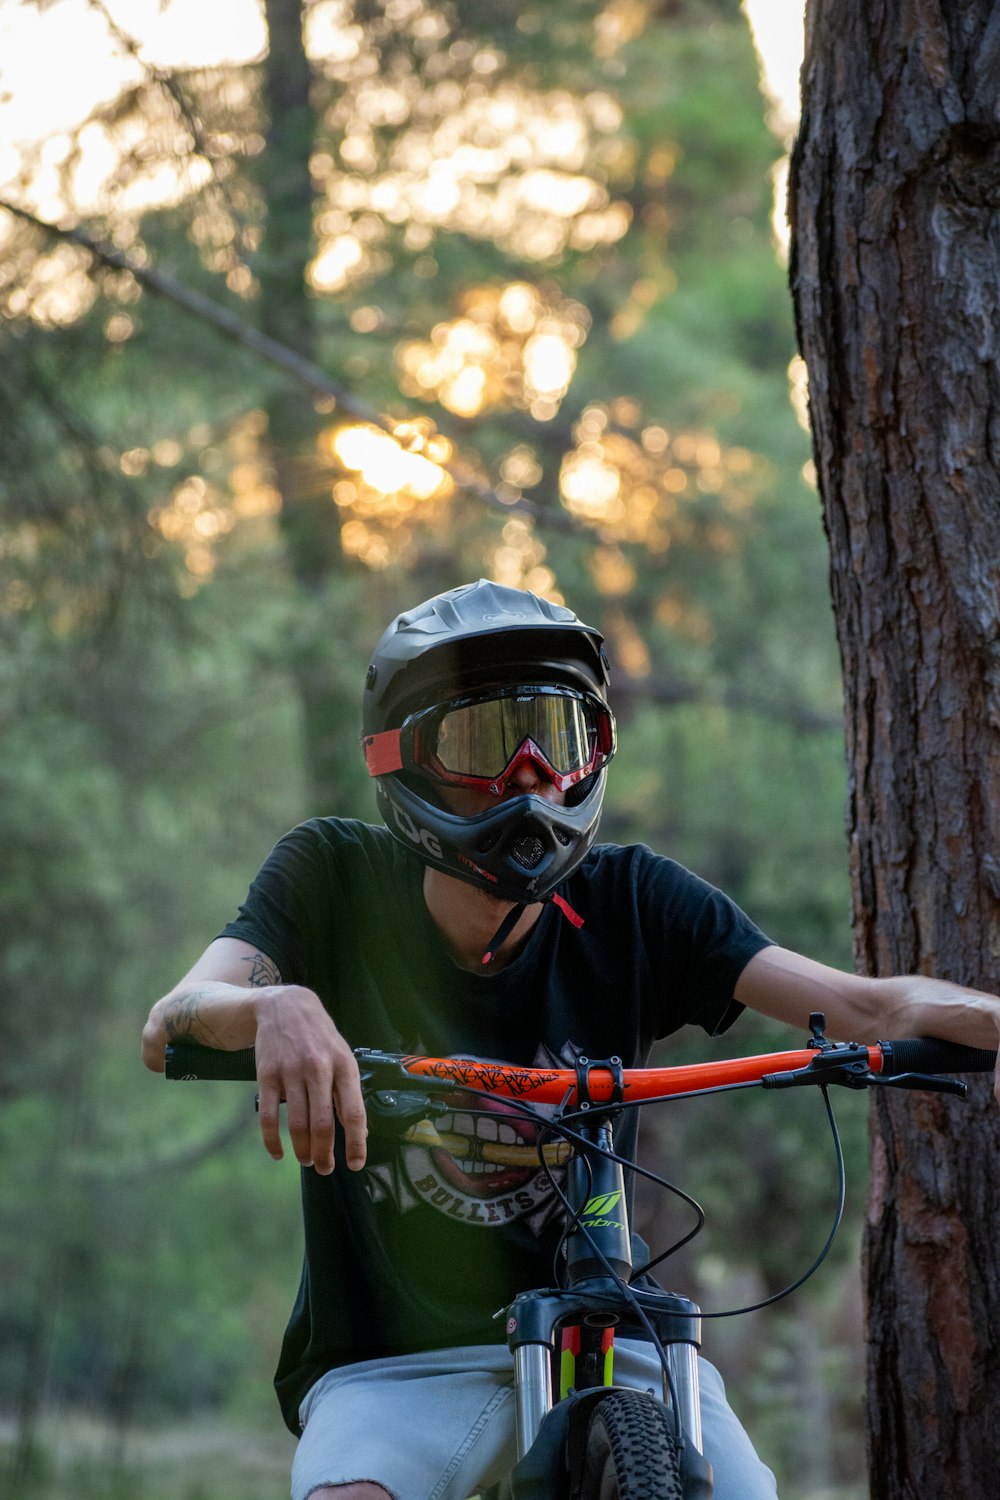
[487,1153]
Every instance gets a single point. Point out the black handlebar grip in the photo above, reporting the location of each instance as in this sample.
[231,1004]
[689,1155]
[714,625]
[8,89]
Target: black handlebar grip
[186,1060]
[926,1054]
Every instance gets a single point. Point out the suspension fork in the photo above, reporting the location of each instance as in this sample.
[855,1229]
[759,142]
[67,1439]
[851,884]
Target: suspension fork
[599,1238]
[531,1328]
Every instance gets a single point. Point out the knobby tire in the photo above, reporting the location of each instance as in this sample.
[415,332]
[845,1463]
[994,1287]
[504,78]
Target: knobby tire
[631,1452]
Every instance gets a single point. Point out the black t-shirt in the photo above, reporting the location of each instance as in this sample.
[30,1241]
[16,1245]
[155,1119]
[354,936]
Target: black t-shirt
[421,1249]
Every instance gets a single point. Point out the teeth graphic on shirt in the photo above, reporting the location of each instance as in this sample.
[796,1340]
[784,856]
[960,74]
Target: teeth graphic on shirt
[465,1136]
[483,1145]
[480,1166]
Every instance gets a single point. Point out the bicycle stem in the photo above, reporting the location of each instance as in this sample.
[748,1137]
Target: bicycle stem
[599,1239]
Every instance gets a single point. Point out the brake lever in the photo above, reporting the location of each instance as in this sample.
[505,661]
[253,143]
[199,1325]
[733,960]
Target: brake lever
[849,1070]
[828,1067]
[395,1113]
[929,1082]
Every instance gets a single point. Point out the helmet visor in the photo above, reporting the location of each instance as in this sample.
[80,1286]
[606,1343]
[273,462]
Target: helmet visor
[477,741]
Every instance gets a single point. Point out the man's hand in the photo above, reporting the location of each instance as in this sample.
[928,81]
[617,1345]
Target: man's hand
[303,1059]
[233,997]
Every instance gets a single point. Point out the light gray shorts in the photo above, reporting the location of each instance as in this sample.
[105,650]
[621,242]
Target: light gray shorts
[440,1425]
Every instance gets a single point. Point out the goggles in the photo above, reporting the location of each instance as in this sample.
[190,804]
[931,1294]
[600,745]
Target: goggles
[480,740]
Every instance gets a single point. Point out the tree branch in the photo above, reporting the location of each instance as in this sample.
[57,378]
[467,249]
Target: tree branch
[304,371]
[800,717]
[162,78]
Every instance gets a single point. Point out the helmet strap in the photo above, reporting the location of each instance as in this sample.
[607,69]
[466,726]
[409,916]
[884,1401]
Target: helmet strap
[512,918]
[503,932]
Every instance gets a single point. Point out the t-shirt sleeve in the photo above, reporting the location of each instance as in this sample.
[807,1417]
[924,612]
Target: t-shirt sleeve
[698,940]
[281,907]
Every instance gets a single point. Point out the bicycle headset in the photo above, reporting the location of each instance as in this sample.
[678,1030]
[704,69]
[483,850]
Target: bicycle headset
[461,691]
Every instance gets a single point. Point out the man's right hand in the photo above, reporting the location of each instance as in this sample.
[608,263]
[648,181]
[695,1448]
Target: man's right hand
[233,997]
[303,1059]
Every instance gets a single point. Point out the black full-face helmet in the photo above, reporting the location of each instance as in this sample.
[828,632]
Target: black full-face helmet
[459,692]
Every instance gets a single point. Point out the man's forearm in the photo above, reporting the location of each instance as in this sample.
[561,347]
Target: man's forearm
[206,1011]
[922,1006]
[788,986]
[233,997]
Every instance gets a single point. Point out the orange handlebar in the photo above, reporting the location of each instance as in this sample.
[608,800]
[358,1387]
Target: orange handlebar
[549,1085]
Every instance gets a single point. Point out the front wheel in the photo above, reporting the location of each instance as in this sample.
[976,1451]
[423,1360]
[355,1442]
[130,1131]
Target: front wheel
[631,1451]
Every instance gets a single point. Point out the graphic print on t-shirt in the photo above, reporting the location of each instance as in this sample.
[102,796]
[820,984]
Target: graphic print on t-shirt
[479,1162]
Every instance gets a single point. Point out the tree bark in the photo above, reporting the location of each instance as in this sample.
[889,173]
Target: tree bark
[309,519]
[896,281]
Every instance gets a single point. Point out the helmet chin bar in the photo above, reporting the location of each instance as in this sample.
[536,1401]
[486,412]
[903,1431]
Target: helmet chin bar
[518,851]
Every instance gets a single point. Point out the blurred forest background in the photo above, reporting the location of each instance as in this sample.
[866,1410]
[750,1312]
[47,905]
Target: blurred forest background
[535,241]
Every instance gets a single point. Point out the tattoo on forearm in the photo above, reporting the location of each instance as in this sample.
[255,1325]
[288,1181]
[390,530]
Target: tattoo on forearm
[188,1017]
[184,1014]
[262,971]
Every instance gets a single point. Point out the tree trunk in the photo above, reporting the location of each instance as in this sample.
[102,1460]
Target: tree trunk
[309,519]
[896,280]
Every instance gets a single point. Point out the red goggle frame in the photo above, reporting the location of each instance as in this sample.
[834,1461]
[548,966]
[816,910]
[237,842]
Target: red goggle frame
[479,741]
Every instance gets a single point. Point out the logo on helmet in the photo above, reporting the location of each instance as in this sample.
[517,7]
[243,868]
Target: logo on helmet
[421,836]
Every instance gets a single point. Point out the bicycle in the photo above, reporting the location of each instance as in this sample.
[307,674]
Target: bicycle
[599,1441]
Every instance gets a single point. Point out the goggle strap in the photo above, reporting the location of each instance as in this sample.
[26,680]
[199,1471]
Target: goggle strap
[383,752]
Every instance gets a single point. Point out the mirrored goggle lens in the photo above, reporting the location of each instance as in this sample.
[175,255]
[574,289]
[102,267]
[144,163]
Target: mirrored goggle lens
[480,739]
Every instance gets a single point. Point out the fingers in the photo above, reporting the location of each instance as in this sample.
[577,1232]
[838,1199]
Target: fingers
[310,1099]
[268,1100]
[351,1114]
[310,1123]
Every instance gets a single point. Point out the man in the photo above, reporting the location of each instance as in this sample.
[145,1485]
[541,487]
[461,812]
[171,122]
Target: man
[482,921]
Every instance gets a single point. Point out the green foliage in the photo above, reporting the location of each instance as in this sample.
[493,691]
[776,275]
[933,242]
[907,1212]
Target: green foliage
[184,639]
